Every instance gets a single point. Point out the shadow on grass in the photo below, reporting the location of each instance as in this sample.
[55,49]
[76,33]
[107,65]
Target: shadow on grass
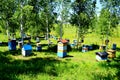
[117,49]
[10,68]
[112,64]
[94,47]
[4,44]
[11,52]
[53,48]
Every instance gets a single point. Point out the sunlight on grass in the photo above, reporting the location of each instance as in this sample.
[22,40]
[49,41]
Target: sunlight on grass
[46,65]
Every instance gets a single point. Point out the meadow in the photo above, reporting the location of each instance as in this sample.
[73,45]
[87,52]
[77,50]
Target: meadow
[45,65]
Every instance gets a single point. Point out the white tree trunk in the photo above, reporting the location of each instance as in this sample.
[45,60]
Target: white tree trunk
[21,25]
[7,31]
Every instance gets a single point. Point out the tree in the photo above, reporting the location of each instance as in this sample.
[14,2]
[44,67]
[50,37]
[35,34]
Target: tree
[104,24]
[7,9]
[109,17]
[113,7]
[44,16]
[84,11]
[36,18]
[63,14]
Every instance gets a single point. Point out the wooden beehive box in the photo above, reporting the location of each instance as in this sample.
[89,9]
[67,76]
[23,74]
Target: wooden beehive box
[111,53]
[26,50]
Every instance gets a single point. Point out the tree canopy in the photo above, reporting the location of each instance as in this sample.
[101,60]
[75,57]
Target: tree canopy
[83,14]
[39,16]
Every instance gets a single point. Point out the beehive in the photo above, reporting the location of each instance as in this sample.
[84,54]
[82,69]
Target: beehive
[38,47]
[26,50]
[12,44]
[84,49]
[111,53]
[62,49]
[100,56]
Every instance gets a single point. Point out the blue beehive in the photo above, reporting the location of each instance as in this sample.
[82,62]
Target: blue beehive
[0,43]
[114,46]
[75,42]
[84,48]
[61,54]
[101,56]
[12,45]
[38,47]
[98,58]
[90,47]
[72,45]
[26,50]
[62,49]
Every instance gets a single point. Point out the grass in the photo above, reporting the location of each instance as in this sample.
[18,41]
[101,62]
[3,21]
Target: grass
[49,67]
[45,65]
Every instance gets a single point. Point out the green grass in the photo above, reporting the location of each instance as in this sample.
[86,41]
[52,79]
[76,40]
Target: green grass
[3,37]
[45,65]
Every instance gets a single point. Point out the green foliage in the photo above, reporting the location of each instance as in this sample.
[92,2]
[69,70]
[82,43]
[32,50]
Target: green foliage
[57,30]
[34,15]
[113,7]
[43,16]
[6,11]
[83,15]
[104,29]
[2,24]
[104,21]
[7,8]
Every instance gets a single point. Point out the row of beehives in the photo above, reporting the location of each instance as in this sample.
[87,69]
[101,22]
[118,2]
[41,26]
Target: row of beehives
[62,49]
[103,53]
[26,48]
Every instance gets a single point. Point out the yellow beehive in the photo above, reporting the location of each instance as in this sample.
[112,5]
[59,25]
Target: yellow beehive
[111,53]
